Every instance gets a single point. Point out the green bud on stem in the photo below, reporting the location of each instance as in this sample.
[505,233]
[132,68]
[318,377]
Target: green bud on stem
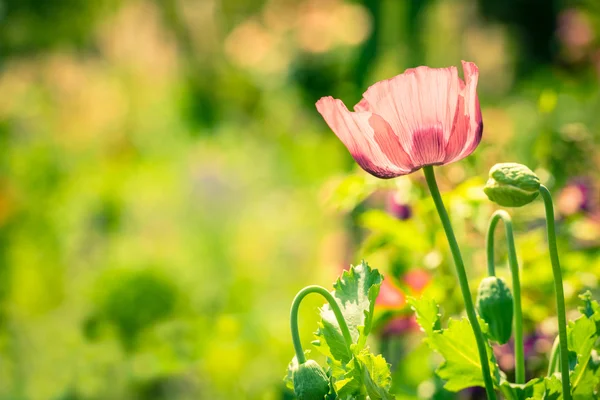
[310,381]
[512,185]
[495,306]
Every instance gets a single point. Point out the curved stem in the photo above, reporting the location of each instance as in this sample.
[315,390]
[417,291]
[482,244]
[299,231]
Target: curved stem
[558,288]
[462,280]
[294,318]
[516,284]
[553,365]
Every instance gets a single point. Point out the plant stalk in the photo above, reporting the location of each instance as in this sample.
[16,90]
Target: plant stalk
[560,295]
[516,284]
[553,364]
[294,318]
[462,280]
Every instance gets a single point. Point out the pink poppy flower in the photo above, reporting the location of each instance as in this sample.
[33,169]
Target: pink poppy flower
[425,116]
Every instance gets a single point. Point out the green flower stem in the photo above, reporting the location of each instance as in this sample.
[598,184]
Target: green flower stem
[516,284]
[462,280]
[560,296]
[294,318]
[553,365]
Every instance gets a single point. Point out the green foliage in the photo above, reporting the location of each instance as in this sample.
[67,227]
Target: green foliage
[356,372]
[356,291]
[26,29]
[461,367]
[513,391]
[133,300]
[582,337]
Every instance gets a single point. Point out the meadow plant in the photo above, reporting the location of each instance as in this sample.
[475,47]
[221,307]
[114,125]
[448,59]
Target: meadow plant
[421,119]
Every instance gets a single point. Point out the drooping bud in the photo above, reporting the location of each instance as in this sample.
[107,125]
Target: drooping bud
[512,185]
[495,306]
[310,381]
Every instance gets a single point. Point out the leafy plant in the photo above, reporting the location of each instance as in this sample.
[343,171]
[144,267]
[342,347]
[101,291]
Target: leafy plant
[461,368]
[354,371]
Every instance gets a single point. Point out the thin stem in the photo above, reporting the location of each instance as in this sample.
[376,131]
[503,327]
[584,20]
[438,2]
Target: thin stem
[294,318]
[553,365]
[489,241]
[560,296]
[516,284]
[462,280]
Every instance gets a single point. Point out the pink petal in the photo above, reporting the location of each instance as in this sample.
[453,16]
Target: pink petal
[362,105]
[468,127]
[420,106]
[388,143]
[368,137]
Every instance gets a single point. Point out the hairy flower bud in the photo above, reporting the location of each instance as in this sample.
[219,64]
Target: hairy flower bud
[495,306]
[310,381]
[512,185]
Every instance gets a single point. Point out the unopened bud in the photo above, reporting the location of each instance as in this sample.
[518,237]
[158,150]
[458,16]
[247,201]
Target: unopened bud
[512,185]
[310,381]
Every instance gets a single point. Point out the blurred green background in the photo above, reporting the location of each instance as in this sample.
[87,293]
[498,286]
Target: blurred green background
[166,184]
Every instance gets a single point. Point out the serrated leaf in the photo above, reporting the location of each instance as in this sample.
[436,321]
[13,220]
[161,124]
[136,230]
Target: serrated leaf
[581,337]
[514,391]
[364,375]
[347,379]
[355,291]
[427,312]
[461,367]
[590,306]
[376,376]
[289,377]
[549,389]
[331,342]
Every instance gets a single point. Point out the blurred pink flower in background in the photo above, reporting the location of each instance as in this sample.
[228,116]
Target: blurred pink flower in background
[575,33]
[398,208]
[425,116]
[400,325]
[390,296]
[576,197]
[536,346]
[417,280]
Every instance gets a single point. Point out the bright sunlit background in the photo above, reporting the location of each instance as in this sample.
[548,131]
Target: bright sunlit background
[167,186]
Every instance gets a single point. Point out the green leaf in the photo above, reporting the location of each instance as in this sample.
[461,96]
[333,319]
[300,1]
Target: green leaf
[330,341]
[355,291]
[427,312]
[581,336]
[549,389]
[289,377]
[461,367]
[376,376]
[513,391]
[347,380]
[365,375]
[590,307]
